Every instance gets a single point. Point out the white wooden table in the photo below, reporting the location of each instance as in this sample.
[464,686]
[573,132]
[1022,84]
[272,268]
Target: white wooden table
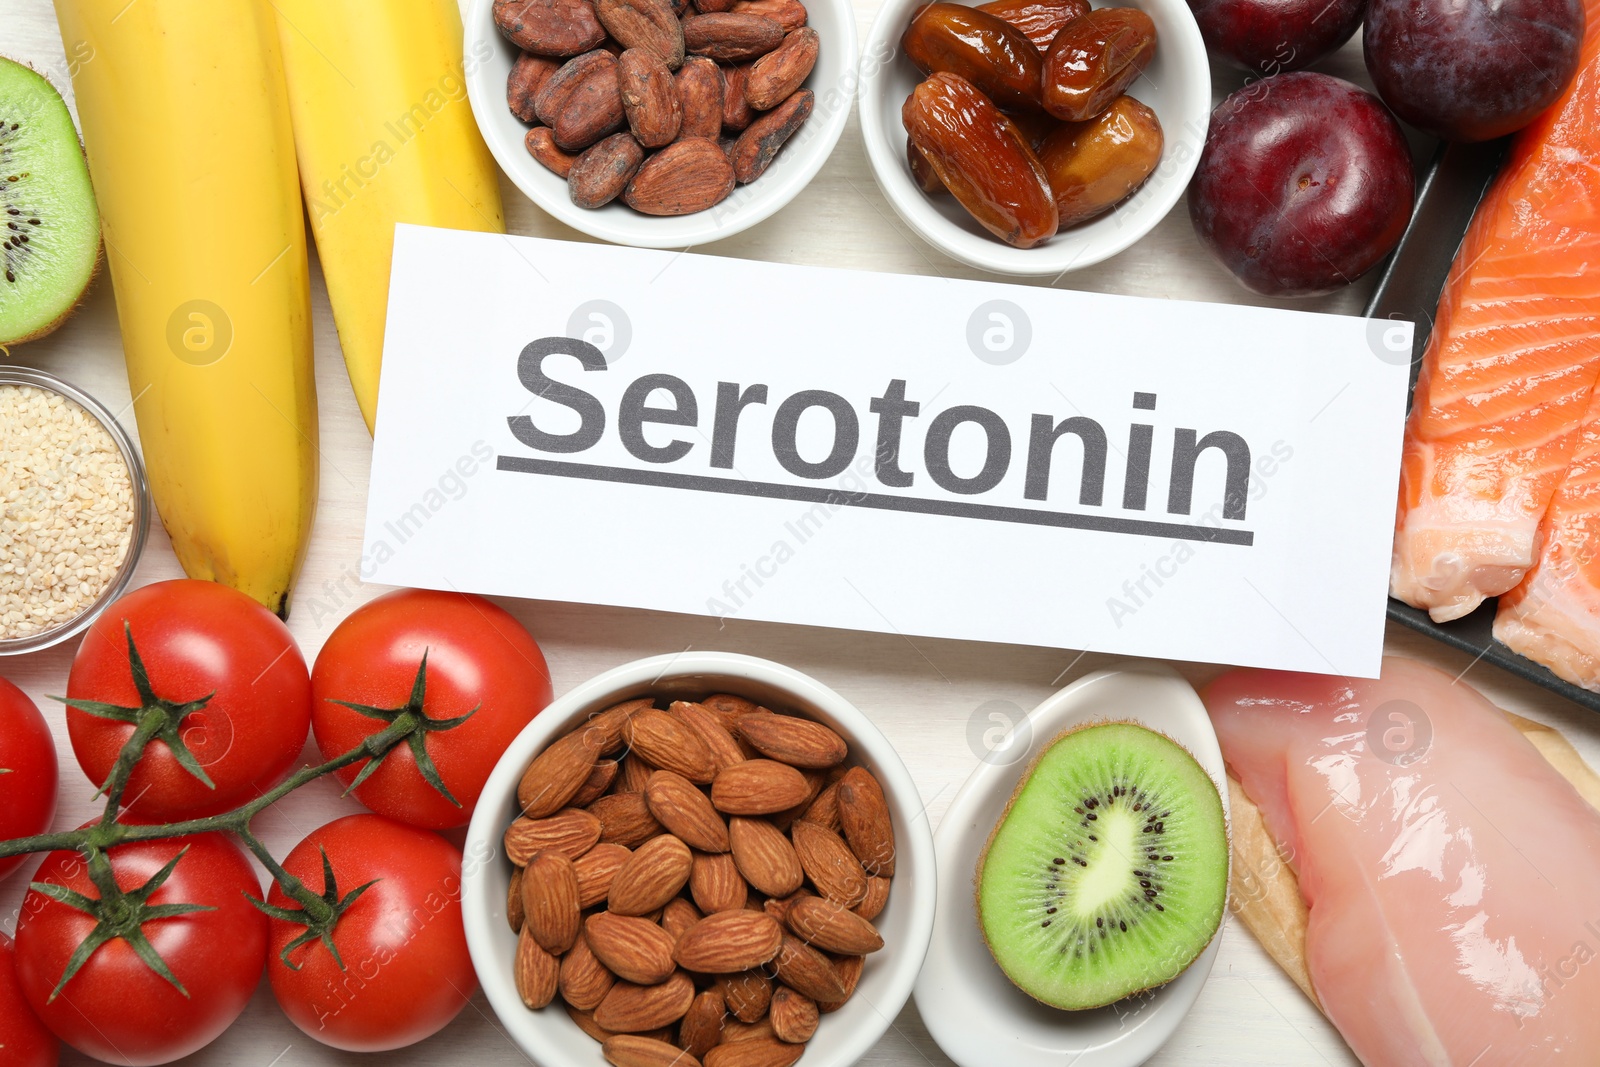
[922,692]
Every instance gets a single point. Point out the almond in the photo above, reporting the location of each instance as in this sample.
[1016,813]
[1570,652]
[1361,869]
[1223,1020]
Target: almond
[824,811]
[701,1028]
[634,773]
[778,907]
[794,1017]
[586,1023]
[734,1031]
[631,1009]
[805,970]
[701,78]
[730,38]
[581,104]
[729,708]
[514,913]
[607,728]
[687,176]
[761,141]
[678,917]
[601,173]
[550,901]
[864,814]
[716,884]
[815,781]
[758,787]
[571,832]
[790,14]
[699,83]
[549,27]
[584,980]
[625,819]
[788,738]
[646,24]
[680,807]
[662,740]
[635,950]
[832,927]
[596,869]
[649,97]
[651,877]
[829,863]
[534,971]
[877,898]
[600,778]
[527,77]
[778,74]
[764,856]
[848,968]
[633,1050]
[757,1052]
[555,776]
[747,995]
[729,942]
[541,145]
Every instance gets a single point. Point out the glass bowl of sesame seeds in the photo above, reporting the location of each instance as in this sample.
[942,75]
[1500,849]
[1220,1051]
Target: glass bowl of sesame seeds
[74,509]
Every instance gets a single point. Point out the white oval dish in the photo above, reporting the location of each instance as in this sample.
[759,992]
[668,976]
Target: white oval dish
[972,1010]
[1176,85]
[548,1036]
[489,57]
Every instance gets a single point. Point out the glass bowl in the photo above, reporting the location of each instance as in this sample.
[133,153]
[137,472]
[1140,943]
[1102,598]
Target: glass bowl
[29,376]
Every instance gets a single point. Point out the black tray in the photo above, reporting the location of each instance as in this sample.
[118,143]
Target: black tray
[1409,289]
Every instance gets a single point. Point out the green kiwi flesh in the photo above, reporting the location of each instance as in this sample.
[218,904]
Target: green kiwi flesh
[49,225]
[1108,873]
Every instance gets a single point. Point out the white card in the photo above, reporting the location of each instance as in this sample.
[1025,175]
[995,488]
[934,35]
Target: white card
[923,456]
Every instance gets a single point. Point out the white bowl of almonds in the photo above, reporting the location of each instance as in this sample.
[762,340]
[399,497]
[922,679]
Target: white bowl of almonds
[661,123]
[74,509]
[702,858]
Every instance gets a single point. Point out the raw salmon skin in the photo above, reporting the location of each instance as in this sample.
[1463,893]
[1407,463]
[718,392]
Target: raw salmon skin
[1452,876]
[1510,364]
[1553,615]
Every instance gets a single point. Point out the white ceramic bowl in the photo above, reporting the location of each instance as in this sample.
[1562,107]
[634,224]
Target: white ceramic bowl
[972,1010]
[549,1036]
[1176,85]
[488,60]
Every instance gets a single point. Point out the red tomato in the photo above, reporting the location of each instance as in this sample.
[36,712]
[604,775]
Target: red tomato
[478,657]
[24,1041]
[116,1008]
[196,639]
[406,969]
[27,771]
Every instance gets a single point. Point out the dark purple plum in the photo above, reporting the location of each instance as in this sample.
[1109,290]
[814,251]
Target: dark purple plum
[1274,36]
[1304,184]
[1471,70]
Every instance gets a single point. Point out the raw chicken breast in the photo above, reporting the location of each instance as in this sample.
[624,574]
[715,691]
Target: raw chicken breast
[1553,615]
[1452,876]
[1510,364]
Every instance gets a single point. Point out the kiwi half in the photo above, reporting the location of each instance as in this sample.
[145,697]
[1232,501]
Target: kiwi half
[49,225]
[1108,873]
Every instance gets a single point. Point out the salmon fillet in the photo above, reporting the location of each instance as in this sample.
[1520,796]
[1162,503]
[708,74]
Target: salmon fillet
[1510,365]
[1553,615]
[1448,870]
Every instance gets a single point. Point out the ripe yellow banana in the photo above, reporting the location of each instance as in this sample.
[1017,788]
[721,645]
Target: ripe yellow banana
[186,123]
[384,134]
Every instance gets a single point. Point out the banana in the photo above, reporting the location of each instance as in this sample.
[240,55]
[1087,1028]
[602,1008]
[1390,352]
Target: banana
[186,123]
[384,134]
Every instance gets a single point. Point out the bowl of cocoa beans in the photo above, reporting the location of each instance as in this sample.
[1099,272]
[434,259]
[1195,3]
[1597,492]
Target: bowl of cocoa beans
[705,860]
[661,123]
[1034,137]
